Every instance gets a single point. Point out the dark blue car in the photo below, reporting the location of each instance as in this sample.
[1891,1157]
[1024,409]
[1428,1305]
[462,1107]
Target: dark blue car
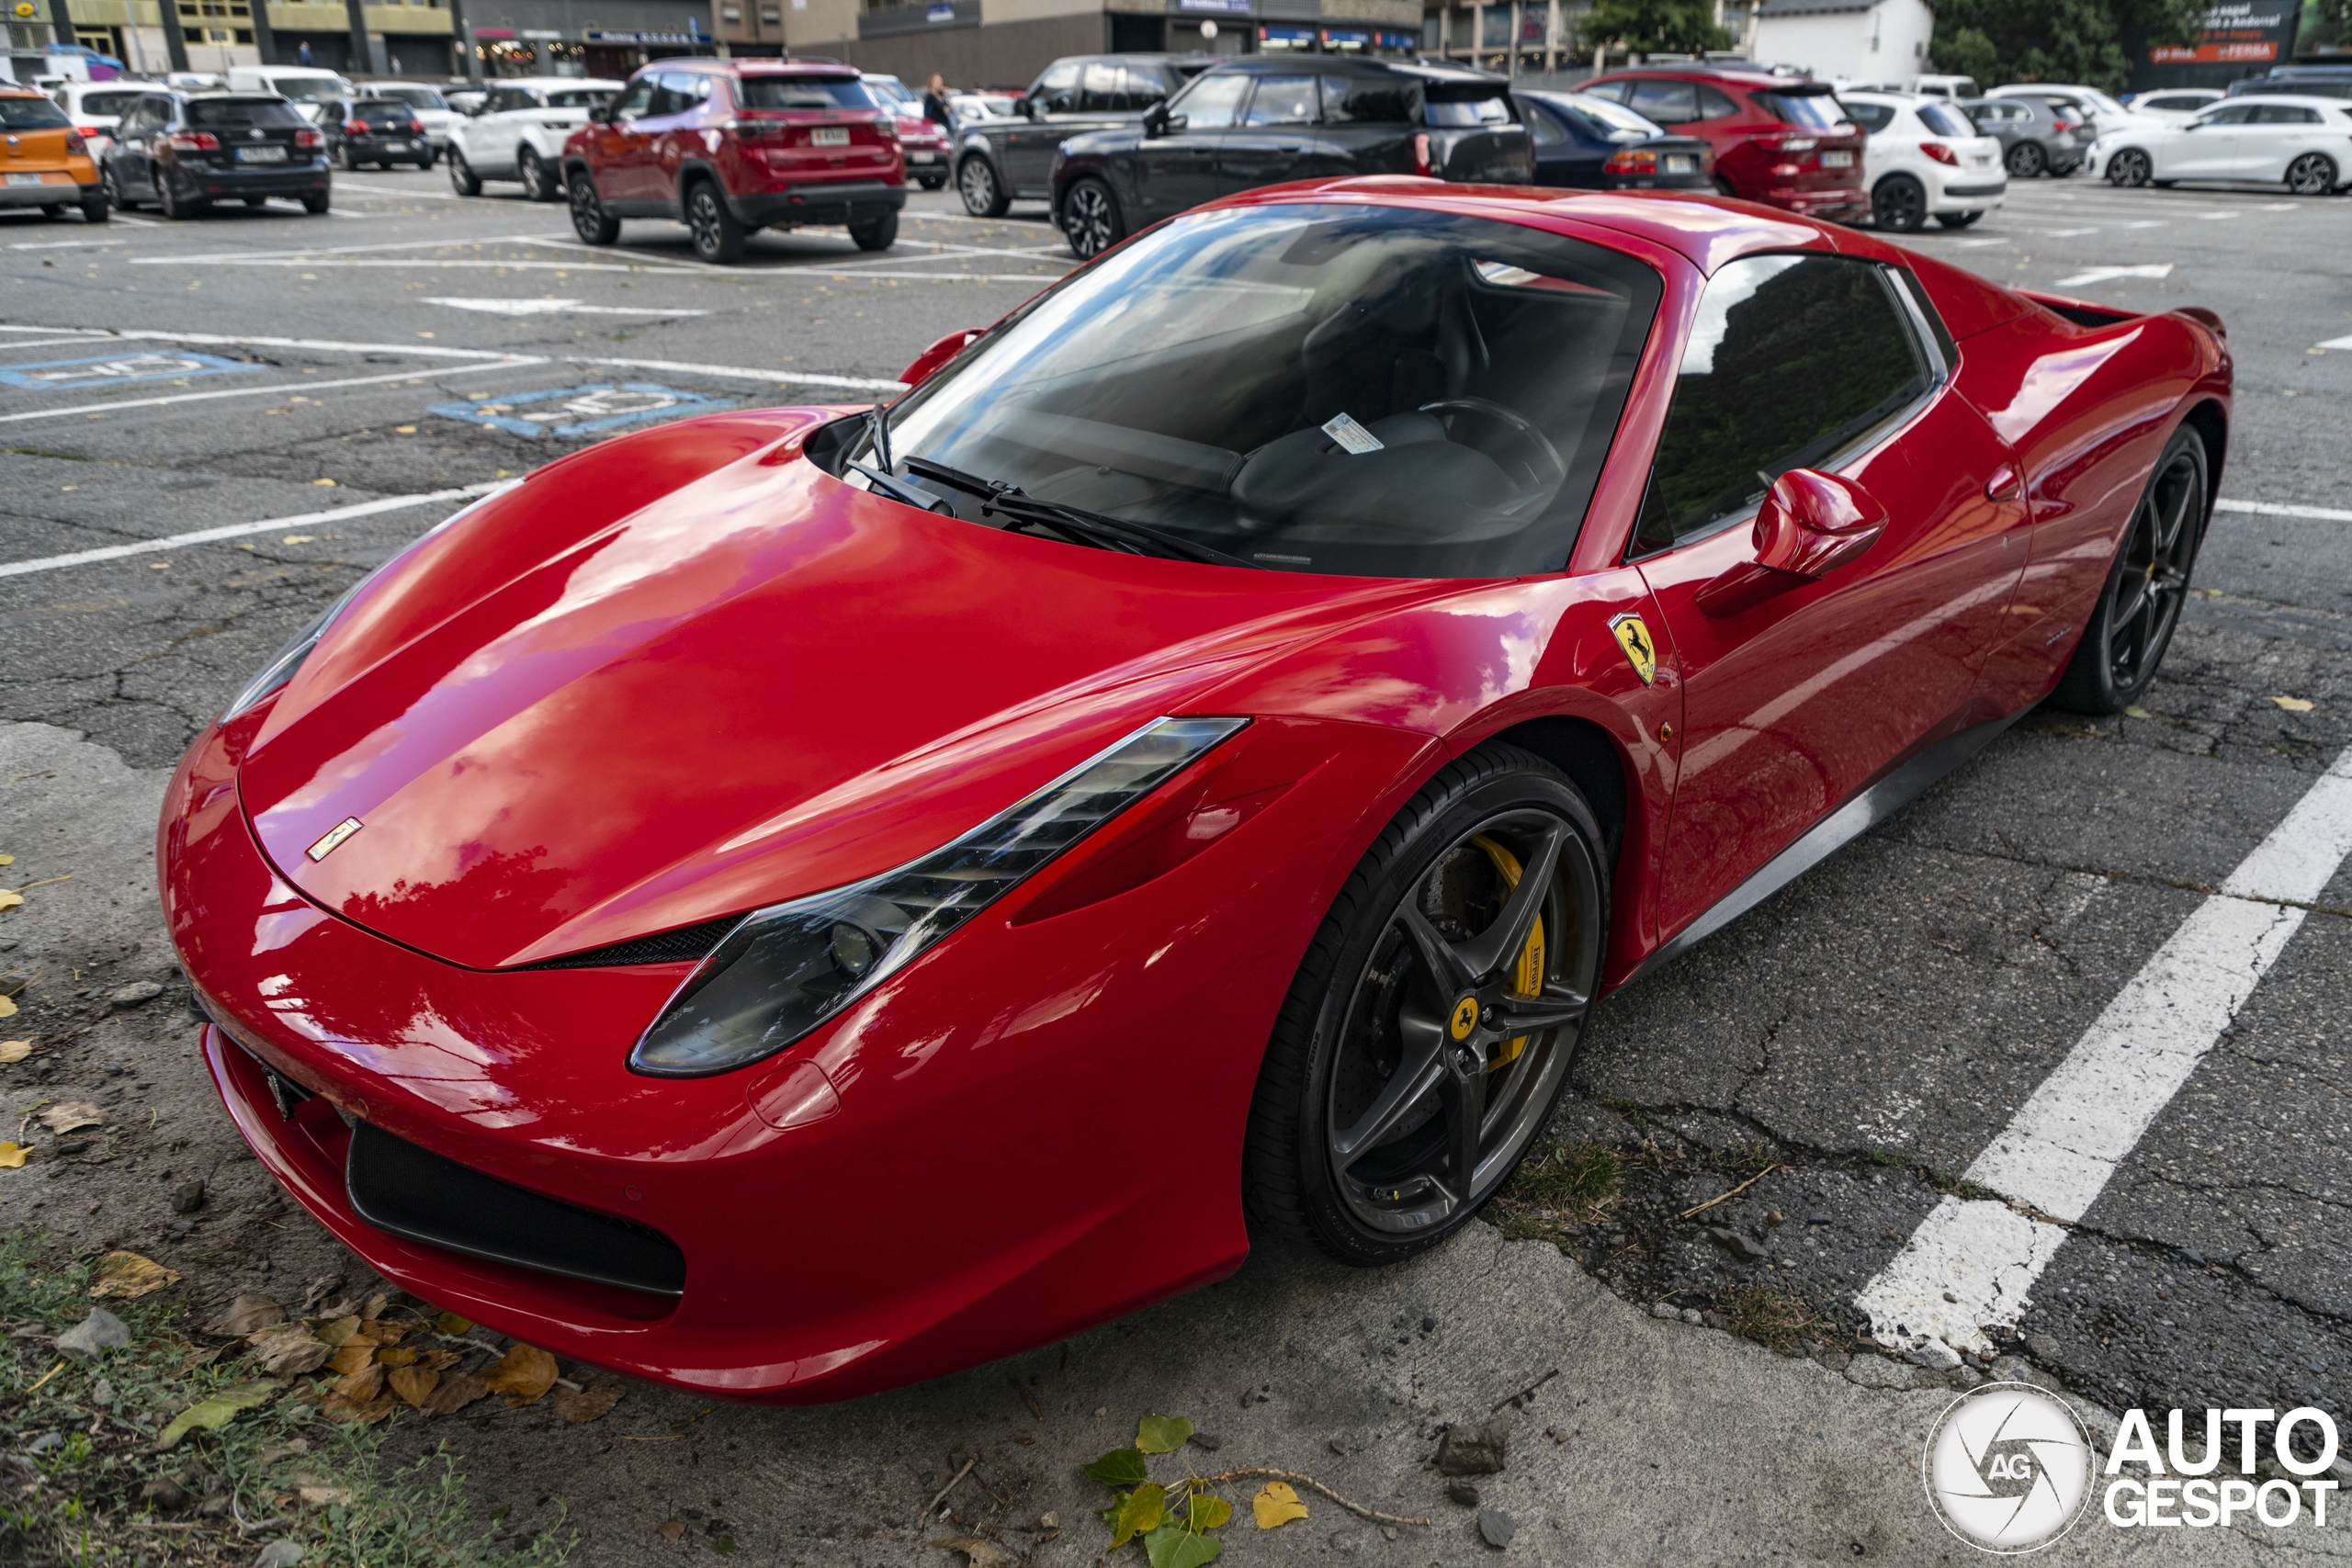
[1593,144]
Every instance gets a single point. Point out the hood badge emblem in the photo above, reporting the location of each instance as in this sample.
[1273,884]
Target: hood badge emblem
[334,836]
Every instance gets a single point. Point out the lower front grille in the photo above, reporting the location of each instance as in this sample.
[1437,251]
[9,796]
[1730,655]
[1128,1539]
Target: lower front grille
[413,1192]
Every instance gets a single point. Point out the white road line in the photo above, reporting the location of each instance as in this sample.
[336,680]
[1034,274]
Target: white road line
[2282,206]
[512,362]
[302,252]
[553,307]
[63,244]
[239,530]
[1972,1263]
[13,345]
[421,350]
[383,192]
[854,383]
[2065,233]
[2270,509]
[78,332]
[2335,343]
[353,262]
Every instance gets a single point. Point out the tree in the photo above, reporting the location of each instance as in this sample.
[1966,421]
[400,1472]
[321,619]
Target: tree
[1653,26]
[2054,40]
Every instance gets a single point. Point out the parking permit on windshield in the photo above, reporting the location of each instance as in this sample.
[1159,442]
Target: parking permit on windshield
[1343,429]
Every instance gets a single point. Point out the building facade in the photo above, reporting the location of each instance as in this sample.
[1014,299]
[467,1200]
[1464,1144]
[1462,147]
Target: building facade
[1518,38]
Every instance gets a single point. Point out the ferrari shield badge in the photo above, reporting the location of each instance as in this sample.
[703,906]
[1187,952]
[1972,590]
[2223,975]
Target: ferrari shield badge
[333,837]
[1635,639]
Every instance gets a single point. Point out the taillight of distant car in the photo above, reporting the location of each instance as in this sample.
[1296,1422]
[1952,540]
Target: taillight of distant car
[1632,160]
[416,127]
[73,142]
[307,138]
[192,142]
[354,127]
[1940,152]
[87,130]
[1422,152]
[2062,126]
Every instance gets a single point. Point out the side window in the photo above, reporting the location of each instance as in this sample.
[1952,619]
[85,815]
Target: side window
[1547,131]
[1870,116]
[2233,114]
[1713,105]
[1665,103]
[1212,102]
[633,103]
[1282,100]
[1102,87]
[1056,90]
[1367,100]
[678,92]
[1792,360]
[2284,114]
[1613,91]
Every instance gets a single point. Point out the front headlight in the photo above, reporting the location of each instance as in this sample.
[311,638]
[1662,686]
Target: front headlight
[787,968]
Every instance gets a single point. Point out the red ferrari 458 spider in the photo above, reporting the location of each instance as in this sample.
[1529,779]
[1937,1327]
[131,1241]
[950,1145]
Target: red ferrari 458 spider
[792,902]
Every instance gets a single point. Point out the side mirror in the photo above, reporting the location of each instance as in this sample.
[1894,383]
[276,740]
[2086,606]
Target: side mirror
[1025,107]
[1810,524]
[1154,120]
[928,362]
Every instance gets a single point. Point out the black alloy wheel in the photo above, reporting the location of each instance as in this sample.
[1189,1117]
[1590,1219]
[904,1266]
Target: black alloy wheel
[113,189]
[462,178]
[175,206]
[718,239]
[1430,1030]
[2133,622]
[539,181]
[1900,205]
[977,183]
[342,156]
[1092,220]
[2130,167]
[2314,174]
[589,219]
[2026,160]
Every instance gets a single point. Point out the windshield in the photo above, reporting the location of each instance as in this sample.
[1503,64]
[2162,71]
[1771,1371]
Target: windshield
[416,98]
[100,106]
[1612,117]
[1371,392]
[804,93]
[237,114]
[310,89]
[1817,109]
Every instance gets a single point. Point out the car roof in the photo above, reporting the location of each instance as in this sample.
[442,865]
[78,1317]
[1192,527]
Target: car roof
[2293,101]
[545,81]
[1754,78]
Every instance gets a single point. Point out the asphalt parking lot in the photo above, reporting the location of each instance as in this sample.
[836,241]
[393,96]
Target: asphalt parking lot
[208,429]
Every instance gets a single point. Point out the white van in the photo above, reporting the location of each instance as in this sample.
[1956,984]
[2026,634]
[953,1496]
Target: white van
[306,86]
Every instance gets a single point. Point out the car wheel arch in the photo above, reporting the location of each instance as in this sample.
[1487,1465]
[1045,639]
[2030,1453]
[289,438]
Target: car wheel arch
[2212,426]
[690,170]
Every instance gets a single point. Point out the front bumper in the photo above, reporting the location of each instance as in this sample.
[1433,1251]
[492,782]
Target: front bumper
[53,190]
[819,202]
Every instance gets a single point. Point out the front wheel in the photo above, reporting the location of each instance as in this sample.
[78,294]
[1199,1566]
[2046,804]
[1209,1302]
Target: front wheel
[876,234]
[1091,218]
[1428,1033]
[589,219]
[718,239]
[1899,205]
[983,195]
[462,178]
[539,181]
[2129,631]
[2314,174]
[2026,161]
[2129,168]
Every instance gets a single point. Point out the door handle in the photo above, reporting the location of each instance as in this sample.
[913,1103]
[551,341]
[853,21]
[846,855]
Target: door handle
[2003,485]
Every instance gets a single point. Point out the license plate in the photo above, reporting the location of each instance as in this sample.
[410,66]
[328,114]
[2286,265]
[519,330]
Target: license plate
[1837,160]
[829,136]
[24,179]
[261,155]
[1680,162]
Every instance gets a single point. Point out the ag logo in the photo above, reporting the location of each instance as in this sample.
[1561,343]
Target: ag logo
[2008,1468]
[1464,1019]
[1635,639]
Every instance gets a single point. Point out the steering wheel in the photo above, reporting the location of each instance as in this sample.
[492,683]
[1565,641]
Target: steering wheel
[1545,471]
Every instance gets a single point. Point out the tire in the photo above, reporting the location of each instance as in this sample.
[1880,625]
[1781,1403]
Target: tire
[173,204]
[53,210]
[718,239]
[113,187]
[316,206]
[2314,174]
[1363,989]
[539,181]
[878,233]
[1899,205]
[2125,641]
[982,192]
[342,156]
[462,178]
[933,182]
[1724,188]
[1958,219]
[1092,220]
[256,202]
[2026,160]
[95,205]
[2129,168]
[589,219]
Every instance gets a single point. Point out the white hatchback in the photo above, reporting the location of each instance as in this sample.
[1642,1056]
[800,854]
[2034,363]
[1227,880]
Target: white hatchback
[2304,143]
[1925,159]
[518,134]
[2176,106]
[95,106]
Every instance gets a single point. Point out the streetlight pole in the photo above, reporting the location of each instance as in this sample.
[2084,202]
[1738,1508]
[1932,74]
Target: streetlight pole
[174,40]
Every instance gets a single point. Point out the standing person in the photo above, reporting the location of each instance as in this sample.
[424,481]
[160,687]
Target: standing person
[934,99]
[304,53]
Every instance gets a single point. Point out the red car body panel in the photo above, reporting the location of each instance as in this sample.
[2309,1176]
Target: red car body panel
[593,708]
[1753,151]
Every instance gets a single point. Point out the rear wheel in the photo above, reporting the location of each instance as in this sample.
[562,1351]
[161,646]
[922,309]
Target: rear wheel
[2133,624]
[718,239]
[175,206]
[1899,204]
[54,209]
[2314,174]
[1958,219]
[875,233]
[933,182]
[2026,160]
[462,178]
[94,206]
[1091,218]
[1429,1031]
[539,181]
[589,219]
[316,206]
[342,156]
[2130,167]
[1724,186]
[983,194]
[113,187]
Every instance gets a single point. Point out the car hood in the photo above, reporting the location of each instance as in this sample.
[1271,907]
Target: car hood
[757,685]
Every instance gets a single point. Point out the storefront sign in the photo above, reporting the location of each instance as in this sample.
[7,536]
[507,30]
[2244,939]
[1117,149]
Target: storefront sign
[2238,32]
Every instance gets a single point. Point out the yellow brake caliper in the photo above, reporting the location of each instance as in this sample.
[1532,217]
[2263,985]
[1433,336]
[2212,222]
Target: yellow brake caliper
[1528,981]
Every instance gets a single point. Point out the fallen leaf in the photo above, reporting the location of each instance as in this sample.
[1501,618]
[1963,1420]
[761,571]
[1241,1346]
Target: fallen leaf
[386,1332]
[10,899]
[1173,1546]
[404,429]
[1276,1505]
[2133,710]
[244,1316]
[290,1348]
[322,481]
[1140,1513]
[526,1374]
[1120,1467]
[299,539]
[336,1331]
[450,1323]
[353,1355]
[671,1530]
[218,1410]
[1161,1434]
[375,1307]
[359,1387]
[12,1155]
[322,1497]
[603,1391]
[439,1361]
[390,1357]
[15,1050]
[455,1394]
[125,1274]
[2294,704]
[413,1385]
[71,1116]
[1206,1513]
[982,1554]
[7,859]
[364,1413]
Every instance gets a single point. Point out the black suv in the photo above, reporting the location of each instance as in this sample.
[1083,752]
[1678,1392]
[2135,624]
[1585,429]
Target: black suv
[185,151]
[1270,119]
[998,161]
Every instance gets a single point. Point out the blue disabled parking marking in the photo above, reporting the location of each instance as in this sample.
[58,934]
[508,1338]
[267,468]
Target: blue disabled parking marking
[580,411]
[116,369]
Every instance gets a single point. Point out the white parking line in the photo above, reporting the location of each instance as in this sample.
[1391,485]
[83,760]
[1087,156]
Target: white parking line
[64,245]
[2270,509]
[852,383]
[302,253]
[142,335]
[385,192]
[510,362]
[1972,1264]
[553,307]
[239,530]
[12,344]
[2335,343]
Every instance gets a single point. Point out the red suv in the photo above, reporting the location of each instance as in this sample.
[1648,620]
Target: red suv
[1783,140]
[733,146]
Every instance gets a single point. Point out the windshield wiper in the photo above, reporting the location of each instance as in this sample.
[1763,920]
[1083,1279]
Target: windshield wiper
[878,435]
[1073,522]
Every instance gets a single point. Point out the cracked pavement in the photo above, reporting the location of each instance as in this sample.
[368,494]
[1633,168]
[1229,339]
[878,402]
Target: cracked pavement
[1866,1032]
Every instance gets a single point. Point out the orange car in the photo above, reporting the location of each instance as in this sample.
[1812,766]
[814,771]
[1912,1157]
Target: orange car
[43,161]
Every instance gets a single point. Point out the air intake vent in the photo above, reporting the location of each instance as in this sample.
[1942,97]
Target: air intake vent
[687,944]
